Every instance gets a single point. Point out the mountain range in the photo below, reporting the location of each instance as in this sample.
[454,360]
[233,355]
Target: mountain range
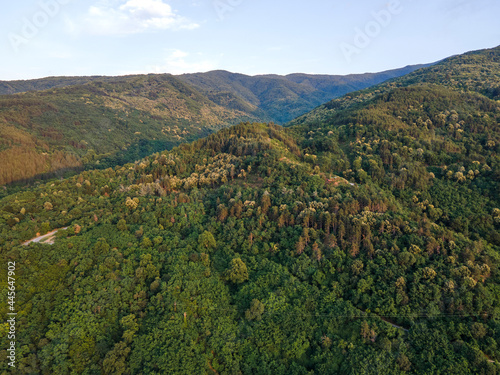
[282,98]
[361,239]
[52,125]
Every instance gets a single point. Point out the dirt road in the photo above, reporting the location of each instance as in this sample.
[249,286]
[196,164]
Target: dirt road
[46,238]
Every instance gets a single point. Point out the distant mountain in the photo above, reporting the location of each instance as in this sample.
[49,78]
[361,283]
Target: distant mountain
[105,121]
[283,98]
[337,84]
[58,123]
[14,87]
[268,97]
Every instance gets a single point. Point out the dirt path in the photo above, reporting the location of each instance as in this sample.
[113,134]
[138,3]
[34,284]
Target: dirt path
[489,359]
[387,321]
[46,238]
[393,324]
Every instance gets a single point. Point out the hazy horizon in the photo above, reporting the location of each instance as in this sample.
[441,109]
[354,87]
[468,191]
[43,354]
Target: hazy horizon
[44,38]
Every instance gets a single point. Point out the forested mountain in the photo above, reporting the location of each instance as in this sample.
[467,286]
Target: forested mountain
[283,98]
[298,92]
[362,240]
[443,119]
[15,87]
[476,72]
[61,123]
[108,121]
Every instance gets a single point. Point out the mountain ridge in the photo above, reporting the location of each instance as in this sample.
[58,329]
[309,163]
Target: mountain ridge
[296,93]
[95,121]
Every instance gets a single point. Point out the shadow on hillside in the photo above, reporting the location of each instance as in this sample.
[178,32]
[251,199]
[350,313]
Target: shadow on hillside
[137,151]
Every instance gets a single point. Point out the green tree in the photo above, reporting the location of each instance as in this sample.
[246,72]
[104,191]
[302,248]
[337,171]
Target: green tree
[238,272]
[115,360]
[45,228]
[255,311]
[206,241]
[122,225]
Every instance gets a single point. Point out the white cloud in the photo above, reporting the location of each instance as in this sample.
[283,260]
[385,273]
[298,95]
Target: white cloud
[132,17]
[179,62]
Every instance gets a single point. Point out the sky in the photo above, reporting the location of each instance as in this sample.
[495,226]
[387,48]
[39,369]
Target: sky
[41,38]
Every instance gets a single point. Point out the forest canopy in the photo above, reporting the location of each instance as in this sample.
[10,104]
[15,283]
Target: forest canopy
[363,239]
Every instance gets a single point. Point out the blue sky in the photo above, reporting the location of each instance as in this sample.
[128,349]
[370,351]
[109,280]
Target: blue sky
[42,38]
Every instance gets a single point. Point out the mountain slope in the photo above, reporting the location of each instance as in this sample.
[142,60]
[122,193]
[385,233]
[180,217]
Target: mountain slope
[266,97]
[438,123]
[476,71]
[51,130]
[242,243]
